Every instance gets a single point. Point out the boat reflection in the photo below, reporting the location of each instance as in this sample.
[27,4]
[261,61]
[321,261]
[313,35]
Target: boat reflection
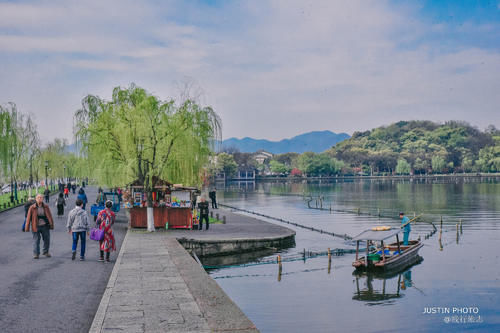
[380,289]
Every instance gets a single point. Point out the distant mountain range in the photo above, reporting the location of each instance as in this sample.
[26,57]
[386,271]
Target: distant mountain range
[316,141]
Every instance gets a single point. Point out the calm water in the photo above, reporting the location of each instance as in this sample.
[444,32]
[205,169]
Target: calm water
[307,296]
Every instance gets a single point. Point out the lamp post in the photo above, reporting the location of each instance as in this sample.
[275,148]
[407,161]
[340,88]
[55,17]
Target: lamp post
[64,174]
[46,173]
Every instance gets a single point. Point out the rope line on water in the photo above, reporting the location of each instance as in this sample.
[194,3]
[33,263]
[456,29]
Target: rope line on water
[303,256]
[321,231]
[359,212]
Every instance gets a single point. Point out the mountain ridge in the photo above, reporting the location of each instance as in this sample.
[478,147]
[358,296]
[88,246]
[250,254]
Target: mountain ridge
[316,141]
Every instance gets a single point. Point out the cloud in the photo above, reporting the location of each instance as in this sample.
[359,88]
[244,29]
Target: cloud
[270,69]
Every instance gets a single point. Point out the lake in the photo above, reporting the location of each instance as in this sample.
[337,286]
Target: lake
[454,288]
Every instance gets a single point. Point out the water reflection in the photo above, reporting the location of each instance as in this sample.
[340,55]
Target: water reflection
[457,267]
[377,289]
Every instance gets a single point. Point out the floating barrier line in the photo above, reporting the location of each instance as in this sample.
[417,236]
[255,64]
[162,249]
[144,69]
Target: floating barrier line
[344,236]
[297,257]
[359,212]
[312,270]
[309,198]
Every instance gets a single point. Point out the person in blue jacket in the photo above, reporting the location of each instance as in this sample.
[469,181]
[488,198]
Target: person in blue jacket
[406,228]
[82,196]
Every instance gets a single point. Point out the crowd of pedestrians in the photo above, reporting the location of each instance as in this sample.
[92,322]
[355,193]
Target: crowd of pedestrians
[38,219]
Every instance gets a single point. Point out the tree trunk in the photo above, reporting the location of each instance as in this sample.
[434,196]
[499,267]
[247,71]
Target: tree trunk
[150,213]
[151,222]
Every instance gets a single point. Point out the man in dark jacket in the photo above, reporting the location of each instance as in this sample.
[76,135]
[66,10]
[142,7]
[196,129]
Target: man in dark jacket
[40,221]
[47,194]
[213,197]
[203,208]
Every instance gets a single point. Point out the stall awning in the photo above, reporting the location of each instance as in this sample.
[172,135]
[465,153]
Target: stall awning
[377,235]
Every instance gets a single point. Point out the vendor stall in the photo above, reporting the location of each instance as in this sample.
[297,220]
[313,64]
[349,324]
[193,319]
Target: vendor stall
[171,206]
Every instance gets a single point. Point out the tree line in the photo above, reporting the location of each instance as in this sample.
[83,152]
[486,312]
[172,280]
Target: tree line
[24,160]
[405,147]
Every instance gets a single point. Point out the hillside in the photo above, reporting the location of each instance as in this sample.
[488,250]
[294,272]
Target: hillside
[422,146]
[317,141]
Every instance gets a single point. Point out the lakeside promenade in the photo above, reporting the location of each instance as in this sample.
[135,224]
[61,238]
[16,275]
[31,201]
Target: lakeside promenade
[156,286]
[151,285]
[50,294]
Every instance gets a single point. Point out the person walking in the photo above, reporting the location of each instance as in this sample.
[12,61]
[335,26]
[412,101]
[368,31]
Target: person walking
[82,196]
[406,227]
[47,194]
[66,192]
[213,197]
[105,220]
[203,208]
[73,186]
[60,203]
[40,221]
[78,225]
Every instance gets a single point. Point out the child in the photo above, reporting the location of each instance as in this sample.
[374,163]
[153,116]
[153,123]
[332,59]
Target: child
[78,223]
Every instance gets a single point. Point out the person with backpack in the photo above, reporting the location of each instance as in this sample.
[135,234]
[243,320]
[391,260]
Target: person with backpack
[82,196]
[105,220]
[60,203]
[78,225]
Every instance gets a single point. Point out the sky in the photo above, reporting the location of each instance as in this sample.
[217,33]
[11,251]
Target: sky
[270,69]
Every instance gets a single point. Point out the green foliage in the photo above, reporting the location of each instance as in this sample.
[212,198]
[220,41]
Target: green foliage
[418,142]
[403,167]
[319,164]
[137,136]
[288,159]
[226,163]
[438,164]
[279,168]
[489,159]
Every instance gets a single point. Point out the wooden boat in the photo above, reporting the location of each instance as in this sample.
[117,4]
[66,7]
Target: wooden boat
[385,258]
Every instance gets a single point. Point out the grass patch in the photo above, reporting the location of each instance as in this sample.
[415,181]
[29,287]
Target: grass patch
[22,196]
[213,220]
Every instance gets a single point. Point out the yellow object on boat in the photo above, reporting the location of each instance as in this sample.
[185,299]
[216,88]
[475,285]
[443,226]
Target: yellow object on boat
[381,228]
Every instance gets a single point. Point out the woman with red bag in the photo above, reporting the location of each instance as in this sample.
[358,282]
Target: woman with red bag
[106,219]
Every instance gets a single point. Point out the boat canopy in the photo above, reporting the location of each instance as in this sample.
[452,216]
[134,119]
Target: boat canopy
[374,235]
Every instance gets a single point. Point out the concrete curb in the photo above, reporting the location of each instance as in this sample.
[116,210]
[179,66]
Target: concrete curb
[103,305]
[208,247]
[220,312]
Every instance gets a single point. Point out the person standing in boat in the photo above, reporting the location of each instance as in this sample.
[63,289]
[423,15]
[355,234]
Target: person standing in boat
[406,227]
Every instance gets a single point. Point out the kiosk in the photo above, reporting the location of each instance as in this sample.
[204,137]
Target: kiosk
[172,204]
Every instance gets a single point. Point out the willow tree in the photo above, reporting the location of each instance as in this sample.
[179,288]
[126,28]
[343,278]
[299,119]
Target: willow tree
[5,138]
[137,136]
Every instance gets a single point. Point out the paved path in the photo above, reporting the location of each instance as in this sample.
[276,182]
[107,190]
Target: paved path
[50,294]
[237,227]
[157,287]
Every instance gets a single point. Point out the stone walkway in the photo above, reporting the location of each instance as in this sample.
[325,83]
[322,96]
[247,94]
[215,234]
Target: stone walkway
[156,286]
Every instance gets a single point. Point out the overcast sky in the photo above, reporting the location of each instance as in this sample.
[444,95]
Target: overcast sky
[270,69]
